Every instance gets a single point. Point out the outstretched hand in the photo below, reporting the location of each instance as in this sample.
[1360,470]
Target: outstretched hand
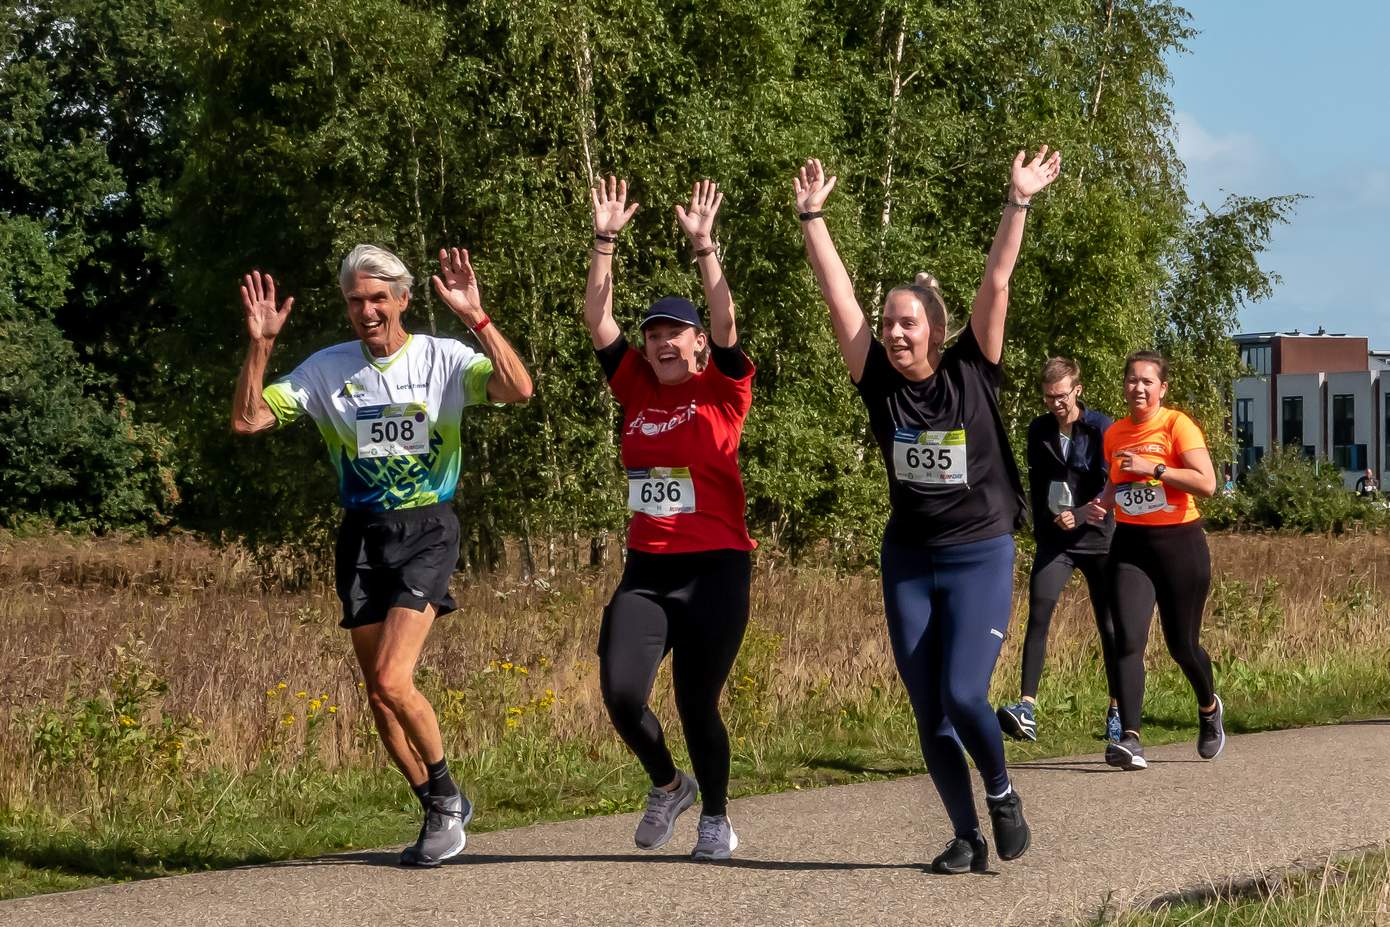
[811,186]
[263,320]
[697,220]
[1029,178]
[457,286]
[611,210]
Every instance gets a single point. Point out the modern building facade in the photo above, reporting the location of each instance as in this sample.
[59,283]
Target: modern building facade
[1326,394]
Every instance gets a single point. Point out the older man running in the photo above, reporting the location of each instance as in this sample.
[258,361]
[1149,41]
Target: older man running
[389,406]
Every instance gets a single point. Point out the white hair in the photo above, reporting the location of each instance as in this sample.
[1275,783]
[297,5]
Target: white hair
[377,263]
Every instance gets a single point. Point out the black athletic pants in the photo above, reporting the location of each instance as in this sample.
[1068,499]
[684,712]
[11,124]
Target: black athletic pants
[1052,571]
[694,606]
[1169,565]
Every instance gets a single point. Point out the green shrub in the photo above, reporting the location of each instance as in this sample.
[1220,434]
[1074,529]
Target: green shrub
[1286,490]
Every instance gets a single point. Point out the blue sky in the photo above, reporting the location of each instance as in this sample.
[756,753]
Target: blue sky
[1286,97]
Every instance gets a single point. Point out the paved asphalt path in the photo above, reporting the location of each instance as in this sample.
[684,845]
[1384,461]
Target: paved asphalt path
[840,855]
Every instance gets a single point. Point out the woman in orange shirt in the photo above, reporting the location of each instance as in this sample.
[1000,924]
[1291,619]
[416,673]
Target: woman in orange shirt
[1159,463]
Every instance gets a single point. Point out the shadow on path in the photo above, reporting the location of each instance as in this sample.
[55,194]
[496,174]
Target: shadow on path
[389,860]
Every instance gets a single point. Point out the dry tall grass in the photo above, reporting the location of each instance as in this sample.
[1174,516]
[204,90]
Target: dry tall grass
[261,668]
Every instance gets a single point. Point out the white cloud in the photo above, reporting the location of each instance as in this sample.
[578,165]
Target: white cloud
[1235,161]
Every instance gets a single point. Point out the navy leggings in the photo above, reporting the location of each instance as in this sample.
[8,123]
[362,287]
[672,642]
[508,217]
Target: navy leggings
[948,611]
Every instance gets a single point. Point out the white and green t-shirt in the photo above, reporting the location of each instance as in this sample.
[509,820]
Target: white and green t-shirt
[391,423]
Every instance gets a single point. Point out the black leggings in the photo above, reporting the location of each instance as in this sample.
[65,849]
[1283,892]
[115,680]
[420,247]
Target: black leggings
[696,607]
[1052,571]
[1170,565]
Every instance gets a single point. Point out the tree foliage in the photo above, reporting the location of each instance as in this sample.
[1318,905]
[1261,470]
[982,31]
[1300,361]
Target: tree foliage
[289,131]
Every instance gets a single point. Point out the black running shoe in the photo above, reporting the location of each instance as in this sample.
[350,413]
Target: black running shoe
[1011,834]
[963,854]
[1211,732]
[1127,753]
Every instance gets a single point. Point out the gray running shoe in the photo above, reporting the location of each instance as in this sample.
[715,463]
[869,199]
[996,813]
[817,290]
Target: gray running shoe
[442,836]
[1211,732]
[716,839]
[663,807]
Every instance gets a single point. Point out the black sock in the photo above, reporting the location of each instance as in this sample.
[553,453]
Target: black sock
[422,792]
[441,783]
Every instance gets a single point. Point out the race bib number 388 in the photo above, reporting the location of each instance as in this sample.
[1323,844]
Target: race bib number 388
[931,458]
[393,431]
[661,491]
[1141,497]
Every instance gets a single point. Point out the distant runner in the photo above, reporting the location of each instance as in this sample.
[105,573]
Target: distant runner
[1066,469]
[956,499]
[684,394]
[390,407]
[1159,464]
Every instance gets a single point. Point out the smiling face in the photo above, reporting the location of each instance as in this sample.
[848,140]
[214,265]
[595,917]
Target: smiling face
[907,333]
[673,349]
[375,313]
[1144,388]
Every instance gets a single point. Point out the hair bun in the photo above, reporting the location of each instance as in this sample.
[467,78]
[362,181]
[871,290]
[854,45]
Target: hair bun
[925,279]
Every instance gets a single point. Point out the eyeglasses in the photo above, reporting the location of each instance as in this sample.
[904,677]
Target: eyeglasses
[1058,397]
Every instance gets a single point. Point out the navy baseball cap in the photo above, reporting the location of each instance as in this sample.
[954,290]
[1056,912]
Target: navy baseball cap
[674,308]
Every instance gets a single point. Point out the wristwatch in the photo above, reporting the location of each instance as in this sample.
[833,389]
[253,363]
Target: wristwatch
[1159,471]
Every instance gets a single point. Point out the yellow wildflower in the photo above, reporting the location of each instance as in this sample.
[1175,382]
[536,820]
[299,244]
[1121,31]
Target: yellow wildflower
[513,722]
[287,720]
[332,709]
[127,721]
[315,705]
[271,693]
[282,685]
[300,694]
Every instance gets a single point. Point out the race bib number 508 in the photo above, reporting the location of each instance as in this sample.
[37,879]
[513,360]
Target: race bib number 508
[661,491]
[932,458]
[393,431]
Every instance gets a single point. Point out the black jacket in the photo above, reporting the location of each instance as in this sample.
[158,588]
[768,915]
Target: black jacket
[1085,471]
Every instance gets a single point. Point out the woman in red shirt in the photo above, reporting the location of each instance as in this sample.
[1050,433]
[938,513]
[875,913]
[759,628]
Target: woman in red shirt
[684,394]
[1159,464]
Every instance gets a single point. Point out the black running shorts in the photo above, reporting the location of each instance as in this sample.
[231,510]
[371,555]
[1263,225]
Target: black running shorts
[399,558]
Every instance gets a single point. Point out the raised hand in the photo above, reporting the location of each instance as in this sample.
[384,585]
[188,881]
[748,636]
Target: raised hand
[811,186]
[611,209]
[263,320]
[457,286]
[1029,178]
[697,220]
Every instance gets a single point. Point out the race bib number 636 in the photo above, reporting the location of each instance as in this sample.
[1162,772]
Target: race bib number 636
[661,491]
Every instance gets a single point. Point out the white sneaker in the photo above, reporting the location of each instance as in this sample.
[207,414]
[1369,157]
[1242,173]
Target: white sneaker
[717,839]
[663,807]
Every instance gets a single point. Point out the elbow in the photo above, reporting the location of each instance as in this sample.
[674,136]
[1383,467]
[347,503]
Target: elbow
[243,426]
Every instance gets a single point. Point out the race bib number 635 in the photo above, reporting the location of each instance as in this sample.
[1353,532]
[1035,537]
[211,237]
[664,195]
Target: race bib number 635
[933,458]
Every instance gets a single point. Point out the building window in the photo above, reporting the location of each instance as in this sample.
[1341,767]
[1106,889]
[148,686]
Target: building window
[1346,453]
[1245,428]
[1292,431]
[1256,358]
[1385,459]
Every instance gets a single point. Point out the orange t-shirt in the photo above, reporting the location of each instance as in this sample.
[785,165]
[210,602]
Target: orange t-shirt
[1163,439]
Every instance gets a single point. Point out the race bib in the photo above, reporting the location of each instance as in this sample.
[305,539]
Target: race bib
[393,431]
[930,458]
[661,491]
[1141,497]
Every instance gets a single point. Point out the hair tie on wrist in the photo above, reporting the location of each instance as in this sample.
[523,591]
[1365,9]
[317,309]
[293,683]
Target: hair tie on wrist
[1009,202]
[808,216]
[706,251]
[611,239]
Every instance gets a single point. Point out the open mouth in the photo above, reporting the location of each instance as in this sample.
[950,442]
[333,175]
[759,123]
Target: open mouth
[371,327]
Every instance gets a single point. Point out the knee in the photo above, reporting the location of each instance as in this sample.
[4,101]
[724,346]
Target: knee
[960,699]
[393,692]
[622,701]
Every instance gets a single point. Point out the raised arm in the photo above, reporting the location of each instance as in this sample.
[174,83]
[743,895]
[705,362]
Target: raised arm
[457,286]
[697,221]
[812,188]
[250,412]
[611,213]
[992,301]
